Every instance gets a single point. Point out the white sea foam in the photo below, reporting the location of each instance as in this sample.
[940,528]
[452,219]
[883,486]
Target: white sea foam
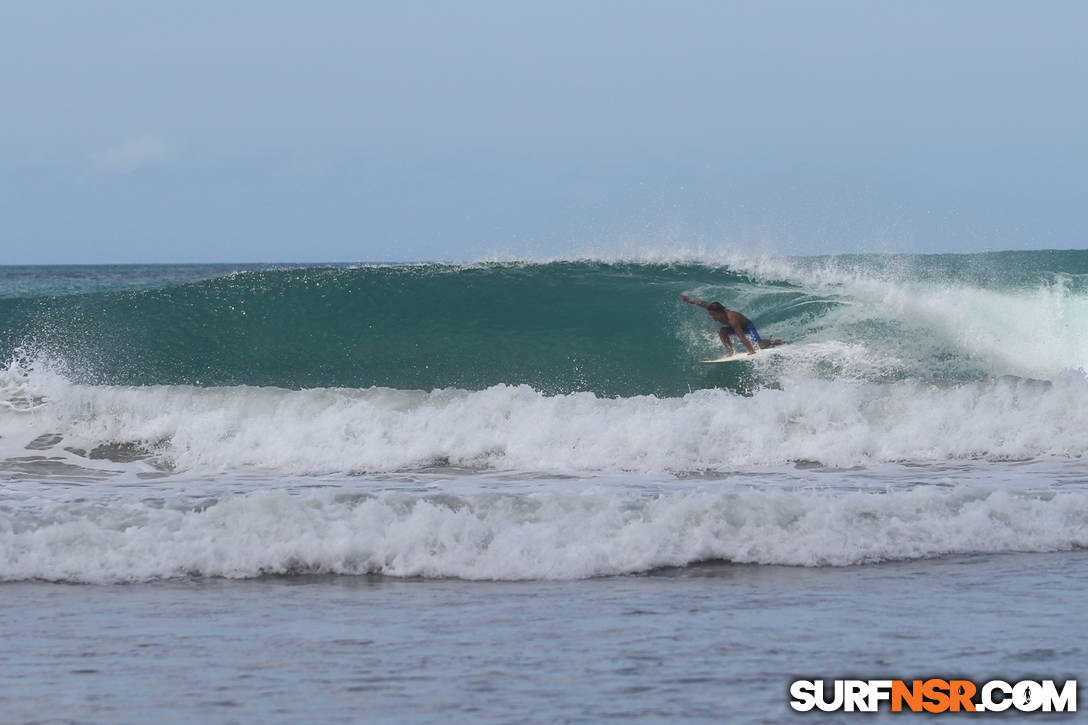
[1031,331]
[329,431]
[535,536]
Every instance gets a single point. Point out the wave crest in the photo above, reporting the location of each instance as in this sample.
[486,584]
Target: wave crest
[331,431]
[540,536]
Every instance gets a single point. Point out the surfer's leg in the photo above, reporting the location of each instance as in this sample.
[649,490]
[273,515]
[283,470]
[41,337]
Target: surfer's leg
[763,344]
[724,333]
[750,328]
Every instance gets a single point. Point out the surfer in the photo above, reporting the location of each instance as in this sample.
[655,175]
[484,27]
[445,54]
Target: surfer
[734,323]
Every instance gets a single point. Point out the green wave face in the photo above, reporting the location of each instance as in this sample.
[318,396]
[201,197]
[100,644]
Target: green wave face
[562,327]
[609,328]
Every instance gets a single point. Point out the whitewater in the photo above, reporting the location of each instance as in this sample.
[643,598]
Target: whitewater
[399,454]
[576,381]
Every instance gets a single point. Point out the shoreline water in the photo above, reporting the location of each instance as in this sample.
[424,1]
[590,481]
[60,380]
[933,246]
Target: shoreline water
[708,643]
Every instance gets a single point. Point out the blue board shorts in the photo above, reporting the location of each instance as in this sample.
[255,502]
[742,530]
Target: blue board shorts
[749,330]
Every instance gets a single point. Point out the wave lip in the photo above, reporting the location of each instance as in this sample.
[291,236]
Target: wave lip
[539,536]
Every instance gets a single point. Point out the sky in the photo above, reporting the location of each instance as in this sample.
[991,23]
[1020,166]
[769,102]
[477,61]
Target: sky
[366,131]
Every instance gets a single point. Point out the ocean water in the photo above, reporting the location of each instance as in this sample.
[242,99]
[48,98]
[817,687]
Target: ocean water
[508,491]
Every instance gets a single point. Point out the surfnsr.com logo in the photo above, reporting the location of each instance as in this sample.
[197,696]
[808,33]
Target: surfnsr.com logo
[933,695]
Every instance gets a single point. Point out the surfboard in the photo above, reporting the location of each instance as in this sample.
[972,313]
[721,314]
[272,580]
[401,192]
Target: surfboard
[743,355]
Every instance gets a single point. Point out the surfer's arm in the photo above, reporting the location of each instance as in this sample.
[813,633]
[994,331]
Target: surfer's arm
[700,303]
